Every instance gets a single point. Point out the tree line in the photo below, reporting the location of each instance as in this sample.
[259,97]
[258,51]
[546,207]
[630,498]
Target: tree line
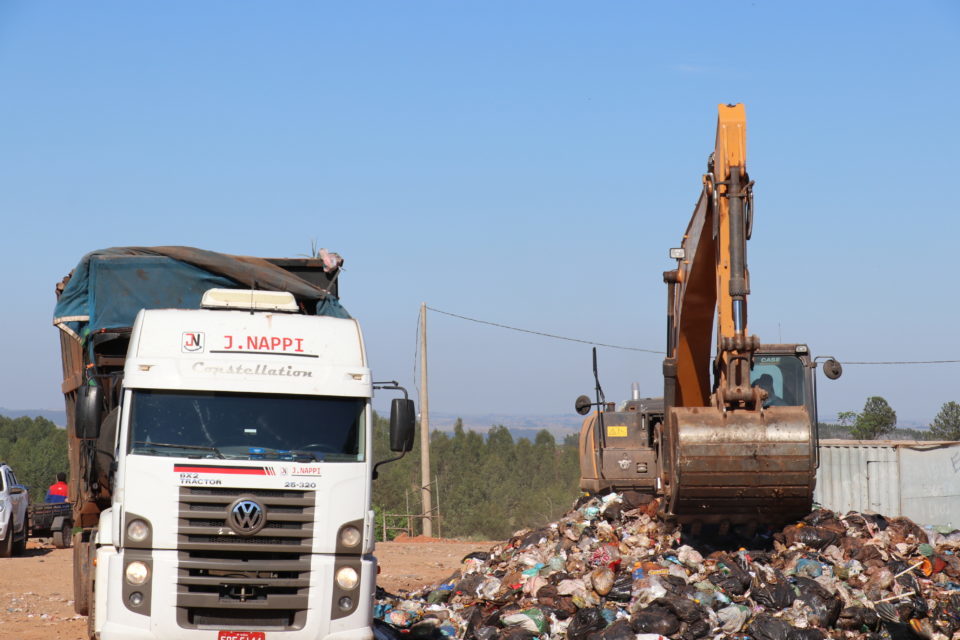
[36,449]
[879,420]
[487,486]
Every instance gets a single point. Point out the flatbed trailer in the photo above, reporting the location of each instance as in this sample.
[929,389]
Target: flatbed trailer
[54,520]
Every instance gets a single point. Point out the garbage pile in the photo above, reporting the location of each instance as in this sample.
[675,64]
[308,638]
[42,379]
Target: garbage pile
[611,570]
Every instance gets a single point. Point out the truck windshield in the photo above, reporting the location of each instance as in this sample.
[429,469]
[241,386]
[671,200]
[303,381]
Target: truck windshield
[782,377]
[211,424]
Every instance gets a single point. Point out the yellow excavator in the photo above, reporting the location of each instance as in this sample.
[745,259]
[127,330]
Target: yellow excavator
[733,441]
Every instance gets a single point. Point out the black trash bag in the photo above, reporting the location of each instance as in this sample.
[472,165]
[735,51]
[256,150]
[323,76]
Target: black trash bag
[819,516]
[534,537]
[918,606]
[469,585]
[685,609]
[622,587]
[813,537]
[385,631]
[696,629]
[619,630]
[773,595]
[825,607]
[424,630]
[517,633]
[898,631]
[612,512]
[474,618]
[876,519]
[584,622]
[676,585]
[482,556]
[486,633]
[655,619]
[857,618]
[731,578]
[766,627]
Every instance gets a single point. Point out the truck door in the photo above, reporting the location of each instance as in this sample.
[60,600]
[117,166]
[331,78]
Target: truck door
[17,500]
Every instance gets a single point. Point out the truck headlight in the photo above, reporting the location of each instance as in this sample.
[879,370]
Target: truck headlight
[350,536]
[347,578]
[137,573]
[138,530]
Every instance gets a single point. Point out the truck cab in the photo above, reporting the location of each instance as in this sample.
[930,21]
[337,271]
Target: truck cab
[224,436]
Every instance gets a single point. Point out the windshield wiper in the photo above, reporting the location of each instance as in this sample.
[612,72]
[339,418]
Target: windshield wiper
[170,445]
[302,453]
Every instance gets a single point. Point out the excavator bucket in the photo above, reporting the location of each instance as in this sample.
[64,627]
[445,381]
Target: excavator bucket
[740,467]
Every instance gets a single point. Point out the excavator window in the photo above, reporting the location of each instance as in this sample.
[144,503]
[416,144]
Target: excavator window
[783,378]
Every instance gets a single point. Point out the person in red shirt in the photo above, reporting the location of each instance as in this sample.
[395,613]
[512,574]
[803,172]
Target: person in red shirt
[58,491]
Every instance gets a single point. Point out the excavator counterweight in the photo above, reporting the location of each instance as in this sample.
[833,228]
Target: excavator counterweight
[733,440]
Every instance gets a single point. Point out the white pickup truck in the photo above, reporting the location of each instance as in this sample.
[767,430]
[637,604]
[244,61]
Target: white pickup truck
[13,513]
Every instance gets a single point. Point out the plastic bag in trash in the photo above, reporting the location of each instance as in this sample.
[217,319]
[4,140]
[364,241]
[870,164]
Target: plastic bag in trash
[531,620]
[825,607]
[813,537]
[622,589]
[773,595]
[766,627]
[619,630]
[858,619]
[602,579]
[585,622]
[385,631]
[686,610]
[655,619]
[733,618]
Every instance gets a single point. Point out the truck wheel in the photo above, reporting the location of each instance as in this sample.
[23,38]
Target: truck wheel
[20,543]
[6,545]
[63,536]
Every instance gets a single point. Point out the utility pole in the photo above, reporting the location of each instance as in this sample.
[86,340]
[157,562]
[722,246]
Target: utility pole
[425,427]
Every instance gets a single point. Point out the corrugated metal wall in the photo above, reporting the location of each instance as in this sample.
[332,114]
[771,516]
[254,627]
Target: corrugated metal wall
[918,480]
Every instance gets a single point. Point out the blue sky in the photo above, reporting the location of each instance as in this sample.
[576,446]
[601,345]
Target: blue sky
[525,163]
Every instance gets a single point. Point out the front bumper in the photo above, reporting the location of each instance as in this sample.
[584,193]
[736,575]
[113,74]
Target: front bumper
[118,622]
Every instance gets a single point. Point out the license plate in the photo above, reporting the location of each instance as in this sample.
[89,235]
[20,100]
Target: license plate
[241,635]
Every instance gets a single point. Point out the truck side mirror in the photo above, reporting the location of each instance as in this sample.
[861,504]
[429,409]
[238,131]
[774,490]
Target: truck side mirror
[402,420]
[832,369]
[582,405]
[89,412]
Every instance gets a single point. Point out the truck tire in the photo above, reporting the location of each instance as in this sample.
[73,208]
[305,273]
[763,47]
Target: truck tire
[63,536]
[6,545]
[81,573]
[20,542]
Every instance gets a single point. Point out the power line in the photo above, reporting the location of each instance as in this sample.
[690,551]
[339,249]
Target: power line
[615,346]
[544,334]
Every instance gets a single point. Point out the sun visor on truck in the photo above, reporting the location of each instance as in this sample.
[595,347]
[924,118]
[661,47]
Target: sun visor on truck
[109,287]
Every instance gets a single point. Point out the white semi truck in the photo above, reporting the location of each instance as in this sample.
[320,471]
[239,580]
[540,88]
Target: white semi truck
[222,451]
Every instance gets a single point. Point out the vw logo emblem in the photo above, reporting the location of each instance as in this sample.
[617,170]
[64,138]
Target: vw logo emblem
[246,516]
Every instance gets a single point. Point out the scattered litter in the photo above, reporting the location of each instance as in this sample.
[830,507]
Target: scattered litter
[611,570]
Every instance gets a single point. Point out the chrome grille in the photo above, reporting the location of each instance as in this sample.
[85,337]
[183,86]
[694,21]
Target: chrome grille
[226,580]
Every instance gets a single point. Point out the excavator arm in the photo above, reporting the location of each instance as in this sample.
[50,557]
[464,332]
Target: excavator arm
[733,440]
[727,458]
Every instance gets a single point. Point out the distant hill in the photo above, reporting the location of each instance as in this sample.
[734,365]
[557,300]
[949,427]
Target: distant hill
[520,426]
[58,418]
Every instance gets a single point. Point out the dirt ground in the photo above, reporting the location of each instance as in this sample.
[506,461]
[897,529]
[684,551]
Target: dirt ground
[36,589]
